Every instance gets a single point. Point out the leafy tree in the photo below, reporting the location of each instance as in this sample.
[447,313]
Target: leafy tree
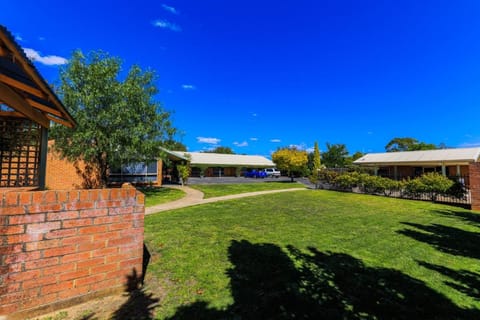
[314,157]
[408,144]
[291,160]
[175,145]
[335,156]
[357,155]
[220,149]
[118,120]
[317,163]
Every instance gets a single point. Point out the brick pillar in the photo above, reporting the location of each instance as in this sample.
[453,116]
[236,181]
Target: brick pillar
[474,177]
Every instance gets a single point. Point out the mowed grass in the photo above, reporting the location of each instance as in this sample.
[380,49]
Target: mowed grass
[159,195]
[316,255]
[218,190]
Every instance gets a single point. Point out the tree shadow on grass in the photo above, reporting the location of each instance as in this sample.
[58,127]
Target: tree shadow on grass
[468,217]
[446,239]
[465,281]
[270,283]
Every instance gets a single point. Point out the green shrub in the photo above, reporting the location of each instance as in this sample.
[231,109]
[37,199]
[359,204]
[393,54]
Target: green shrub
[432,183]
[348,180]
[183,172]
[435,184]
[327,176]
[379,185]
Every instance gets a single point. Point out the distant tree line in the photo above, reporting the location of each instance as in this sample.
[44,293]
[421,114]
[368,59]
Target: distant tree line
[296,163]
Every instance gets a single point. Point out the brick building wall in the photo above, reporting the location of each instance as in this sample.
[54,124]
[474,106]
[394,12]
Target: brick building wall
[59,248]
[61,173]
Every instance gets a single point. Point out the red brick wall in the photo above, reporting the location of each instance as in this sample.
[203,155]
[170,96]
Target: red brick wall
[474,175]
[58,247]
[61,173]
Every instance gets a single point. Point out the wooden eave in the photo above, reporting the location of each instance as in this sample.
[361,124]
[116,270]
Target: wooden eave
[23,89]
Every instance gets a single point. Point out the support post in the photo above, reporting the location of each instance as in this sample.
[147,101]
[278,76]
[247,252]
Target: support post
[42,168]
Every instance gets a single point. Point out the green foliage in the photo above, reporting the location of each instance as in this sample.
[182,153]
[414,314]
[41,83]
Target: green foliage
[220,149]
[348,180]
[183,172]
[408,144]
[118,120]
[357,155]
[335,156]
[327,176]
[175,145]
[316,164]
[433,184]
[291,160]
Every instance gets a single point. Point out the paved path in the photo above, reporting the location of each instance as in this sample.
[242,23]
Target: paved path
[194,197]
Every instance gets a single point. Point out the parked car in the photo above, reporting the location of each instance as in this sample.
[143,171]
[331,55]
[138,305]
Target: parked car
[255,174]
[272,172]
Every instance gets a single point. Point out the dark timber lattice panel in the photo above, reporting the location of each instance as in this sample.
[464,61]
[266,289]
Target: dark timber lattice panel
[19,152]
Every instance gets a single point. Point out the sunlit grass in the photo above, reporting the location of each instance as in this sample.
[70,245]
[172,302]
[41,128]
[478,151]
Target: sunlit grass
[218,190]
[159,195]
[398,251]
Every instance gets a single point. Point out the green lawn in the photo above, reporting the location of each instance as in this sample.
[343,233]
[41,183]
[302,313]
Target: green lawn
[218,190]
[315,255]
[155,195]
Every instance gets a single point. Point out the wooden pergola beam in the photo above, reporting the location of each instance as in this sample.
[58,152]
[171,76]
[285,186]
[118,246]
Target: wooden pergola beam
[21,86]
[15,114]
[17,102]
[41,106]
[60,121]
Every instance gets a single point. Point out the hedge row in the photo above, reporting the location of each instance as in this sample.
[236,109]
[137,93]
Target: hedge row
[431,183]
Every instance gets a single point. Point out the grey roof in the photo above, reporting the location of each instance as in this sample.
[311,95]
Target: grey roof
[220,159]
[435,157]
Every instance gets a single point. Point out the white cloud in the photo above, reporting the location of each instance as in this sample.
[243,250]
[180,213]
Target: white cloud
[169,9]
[275,140]
[254,114]
[254,139]
[208,140]
[188,87]
[166,25]
[42,38]
[46,60]
[18,37]
[241,144]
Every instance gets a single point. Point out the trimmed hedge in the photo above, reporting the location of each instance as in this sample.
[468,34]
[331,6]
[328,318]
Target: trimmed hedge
[433,184]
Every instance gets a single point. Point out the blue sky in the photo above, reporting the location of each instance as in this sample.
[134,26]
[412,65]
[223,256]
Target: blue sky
[258,75]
